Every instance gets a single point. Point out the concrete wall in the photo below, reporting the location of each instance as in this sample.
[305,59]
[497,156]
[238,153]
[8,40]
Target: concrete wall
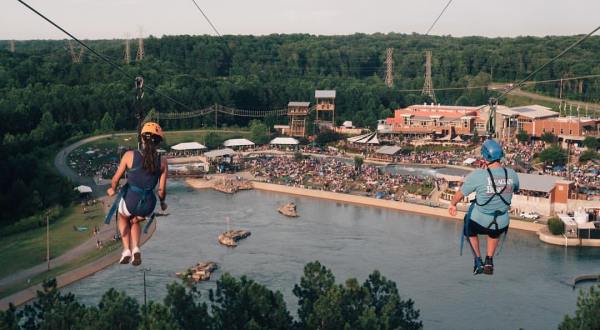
[536,204]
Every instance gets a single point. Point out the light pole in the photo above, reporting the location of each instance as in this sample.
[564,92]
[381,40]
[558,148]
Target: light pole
[48,239]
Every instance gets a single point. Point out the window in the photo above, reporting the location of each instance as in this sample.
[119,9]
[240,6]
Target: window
[406,121]
[570,132]
[552,129]
[562,131]
[544,129]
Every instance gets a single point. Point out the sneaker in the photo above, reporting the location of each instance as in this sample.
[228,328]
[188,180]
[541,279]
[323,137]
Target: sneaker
[478,267]
[488,267]
[137,256]
[125,257]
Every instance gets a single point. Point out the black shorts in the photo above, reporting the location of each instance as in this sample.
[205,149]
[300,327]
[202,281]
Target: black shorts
[477,229]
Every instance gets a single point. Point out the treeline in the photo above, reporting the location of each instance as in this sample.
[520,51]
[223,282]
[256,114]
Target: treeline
[234,304]
[45,98]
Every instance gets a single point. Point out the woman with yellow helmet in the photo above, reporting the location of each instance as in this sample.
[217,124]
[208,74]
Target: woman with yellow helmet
[145,169]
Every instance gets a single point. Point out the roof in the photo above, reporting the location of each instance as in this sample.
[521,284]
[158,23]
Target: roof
[388,150]
[284,141]
[534,182]
[325,94]
[298,104]
[188,146]
[238,143]
[369,138]
[530,111]
[281,126]
[219,153]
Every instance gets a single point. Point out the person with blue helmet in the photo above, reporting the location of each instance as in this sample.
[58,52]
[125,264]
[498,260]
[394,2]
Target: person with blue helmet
[493,186]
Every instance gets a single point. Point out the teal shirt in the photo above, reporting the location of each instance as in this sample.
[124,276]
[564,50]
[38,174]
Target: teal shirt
[479,182]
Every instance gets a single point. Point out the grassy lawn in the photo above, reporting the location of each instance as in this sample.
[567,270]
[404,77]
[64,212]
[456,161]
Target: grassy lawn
[109,247]
[27,249]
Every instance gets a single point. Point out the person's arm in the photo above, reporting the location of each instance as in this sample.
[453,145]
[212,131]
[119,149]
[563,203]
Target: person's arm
[466,188]
[457,198]
[162,183]
[120,171]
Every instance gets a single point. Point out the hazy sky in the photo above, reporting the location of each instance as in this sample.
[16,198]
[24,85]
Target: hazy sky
[107,19]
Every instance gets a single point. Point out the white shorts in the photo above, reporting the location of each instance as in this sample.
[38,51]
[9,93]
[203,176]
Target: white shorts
[123,208]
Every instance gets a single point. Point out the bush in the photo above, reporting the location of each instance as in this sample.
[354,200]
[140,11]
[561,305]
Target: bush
[556,226]
[588,155]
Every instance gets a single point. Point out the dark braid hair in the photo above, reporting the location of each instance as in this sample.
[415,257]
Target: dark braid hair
[150,143]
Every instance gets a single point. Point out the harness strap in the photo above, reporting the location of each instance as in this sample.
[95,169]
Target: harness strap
[496,192]
[115,204]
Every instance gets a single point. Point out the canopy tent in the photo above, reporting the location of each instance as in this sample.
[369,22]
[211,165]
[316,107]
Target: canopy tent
[469,161]
[83,189]
[446,138]
[369,138]
[458,139]
[388,150]
[219,153]
[188,146]
[238,143]
[284,141]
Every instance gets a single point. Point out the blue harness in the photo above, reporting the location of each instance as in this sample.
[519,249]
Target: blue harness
[496,214]
[144,194]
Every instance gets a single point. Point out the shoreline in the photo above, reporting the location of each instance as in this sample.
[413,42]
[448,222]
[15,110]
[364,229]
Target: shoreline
[365,201]
[72,276]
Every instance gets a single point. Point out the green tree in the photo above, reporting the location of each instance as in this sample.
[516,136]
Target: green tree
[475,137]
[328,136]
[522,136]
[107,124]
[591,142]
[586,315]
[548,137]
[315,282]
[185,309]
[259,132]
[588,155]
[116,310]
[245,304]
[213,140]
[358,162]
[554,155]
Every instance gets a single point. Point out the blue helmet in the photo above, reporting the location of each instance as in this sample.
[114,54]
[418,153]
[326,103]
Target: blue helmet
[491,150]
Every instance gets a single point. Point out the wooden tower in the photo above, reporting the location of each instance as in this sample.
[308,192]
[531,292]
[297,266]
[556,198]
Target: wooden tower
[297,112]
[325,108]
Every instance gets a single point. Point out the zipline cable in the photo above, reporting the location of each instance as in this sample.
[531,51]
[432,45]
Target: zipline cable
[438,18]
[207,19]
[552,60]
[102,57]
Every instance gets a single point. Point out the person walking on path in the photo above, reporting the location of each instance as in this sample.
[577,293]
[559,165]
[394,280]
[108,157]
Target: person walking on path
[145,169]
[493,186]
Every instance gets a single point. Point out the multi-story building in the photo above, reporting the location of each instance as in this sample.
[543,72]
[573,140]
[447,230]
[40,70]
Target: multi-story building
[428,119]
[442,120]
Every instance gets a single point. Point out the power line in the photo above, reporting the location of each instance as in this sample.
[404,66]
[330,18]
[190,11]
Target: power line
[529,76]
[207,19]
[102,57]
[440,15]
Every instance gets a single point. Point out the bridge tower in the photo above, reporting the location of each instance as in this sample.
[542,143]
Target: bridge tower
[11,46]
[325,108]
[297,112]
[140,51]
[127,52]
[75,56]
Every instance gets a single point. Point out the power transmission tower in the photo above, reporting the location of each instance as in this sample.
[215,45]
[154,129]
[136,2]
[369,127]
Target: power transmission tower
[127,53]
[11,46]
[76,57]
[428,86]
[389,67]
[140,51]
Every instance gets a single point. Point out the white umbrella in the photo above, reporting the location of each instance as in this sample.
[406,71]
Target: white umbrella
[83,189]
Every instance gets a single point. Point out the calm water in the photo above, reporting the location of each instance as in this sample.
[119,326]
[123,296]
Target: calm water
[418,252]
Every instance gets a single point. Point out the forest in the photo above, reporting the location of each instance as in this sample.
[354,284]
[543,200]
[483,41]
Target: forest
[46,98]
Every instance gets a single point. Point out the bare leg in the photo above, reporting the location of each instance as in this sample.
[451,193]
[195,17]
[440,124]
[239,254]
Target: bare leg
[492,243]
[125,230]
[135,235]
[475,244]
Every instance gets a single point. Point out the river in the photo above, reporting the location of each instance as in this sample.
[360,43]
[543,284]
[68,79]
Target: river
[420,253]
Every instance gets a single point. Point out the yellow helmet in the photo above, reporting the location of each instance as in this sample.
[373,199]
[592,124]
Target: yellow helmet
[153,128]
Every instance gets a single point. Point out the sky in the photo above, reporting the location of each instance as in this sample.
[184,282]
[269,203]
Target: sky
[114,19]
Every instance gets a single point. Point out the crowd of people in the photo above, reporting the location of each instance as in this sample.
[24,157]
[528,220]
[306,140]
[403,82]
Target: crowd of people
[101,163]
[336,175]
